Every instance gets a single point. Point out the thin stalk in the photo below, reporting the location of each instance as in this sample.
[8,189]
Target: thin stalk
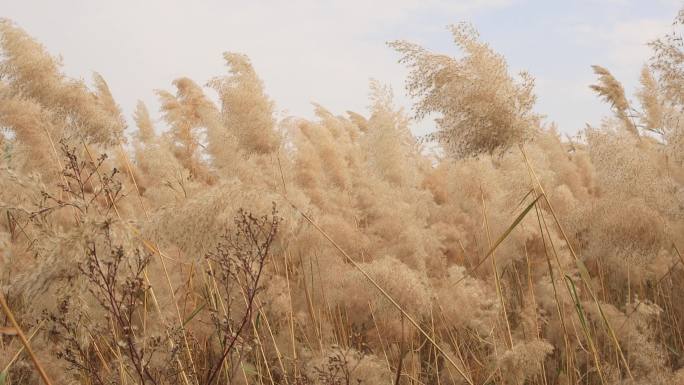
[497,281]
[583,271]
[24,341]
[16,355]
[383,292]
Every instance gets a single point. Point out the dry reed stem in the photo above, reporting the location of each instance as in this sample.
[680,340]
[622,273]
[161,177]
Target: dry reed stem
[452,339]
[382,291]
[584,275]
[382,343]
[261,349]
[10,316]
[497,281]
[279,355]
[16,355]
[501,238]
[291,316]
[157,251]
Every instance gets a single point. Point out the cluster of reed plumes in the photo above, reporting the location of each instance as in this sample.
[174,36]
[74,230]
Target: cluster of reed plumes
[225,246]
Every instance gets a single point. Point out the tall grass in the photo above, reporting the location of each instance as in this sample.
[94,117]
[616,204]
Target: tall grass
[230,246]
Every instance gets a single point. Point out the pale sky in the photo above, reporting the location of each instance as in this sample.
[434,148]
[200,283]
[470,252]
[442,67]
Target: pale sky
[326,51]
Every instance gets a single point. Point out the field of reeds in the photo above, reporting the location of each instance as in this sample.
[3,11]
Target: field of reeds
[224,245]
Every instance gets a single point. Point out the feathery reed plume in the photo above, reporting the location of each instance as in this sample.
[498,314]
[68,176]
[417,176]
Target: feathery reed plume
[649,97]
[611,90]
[141,116]
[246,111]
[30,71]
[483,109]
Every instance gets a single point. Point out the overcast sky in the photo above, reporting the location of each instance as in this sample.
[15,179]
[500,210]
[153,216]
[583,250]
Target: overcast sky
[326,51]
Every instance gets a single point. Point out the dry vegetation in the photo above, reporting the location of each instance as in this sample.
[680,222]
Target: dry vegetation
[225,246]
